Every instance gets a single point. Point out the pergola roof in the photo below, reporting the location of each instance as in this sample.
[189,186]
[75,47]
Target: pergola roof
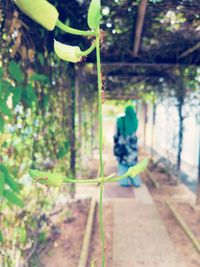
[137,31]
[153,31]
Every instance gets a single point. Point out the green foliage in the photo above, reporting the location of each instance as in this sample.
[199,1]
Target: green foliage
[15,71]
[22,235]
[2,182]
[46,178]
[1,124]
[4,108]
[9,179]
[63,150]
[17,94]
[1,237]
[29,95]
[39,77]
[12,198]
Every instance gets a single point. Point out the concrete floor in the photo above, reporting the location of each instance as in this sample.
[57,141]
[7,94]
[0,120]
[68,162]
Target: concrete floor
[139,235]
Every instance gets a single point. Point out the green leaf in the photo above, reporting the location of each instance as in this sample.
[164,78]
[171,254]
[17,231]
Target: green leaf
[63,150]
[2,123]
[39,77]
[94,14]
[42,237]
[29,95]
[12,198]
[41,58]
[1,72]
[22,235]
[137,169]
[2,182]
[12,184]
[47,178]
[15,71]
[9,180]
[5,109]
[1,237]
[17,94]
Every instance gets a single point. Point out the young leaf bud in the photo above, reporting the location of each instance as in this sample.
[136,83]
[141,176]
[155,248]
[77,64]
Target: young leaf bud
[137,169]
[47,178]
[94,14]
[67,52]
[41,11]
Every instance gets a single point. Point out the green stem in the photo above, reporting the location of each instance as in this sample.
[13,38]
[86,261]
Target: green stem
[89,50]
[93,181]
[81,181]
[68,29]
[100,145]
[101,224]
[100,106]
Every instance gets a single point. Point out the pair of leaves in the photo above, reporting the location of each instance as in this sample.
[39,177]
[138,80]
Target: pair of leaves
[94,14]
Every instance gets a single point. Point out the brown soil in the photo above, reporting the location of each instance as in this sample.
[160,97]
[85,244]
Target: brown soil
[95,246]
[181,198]
[65,250]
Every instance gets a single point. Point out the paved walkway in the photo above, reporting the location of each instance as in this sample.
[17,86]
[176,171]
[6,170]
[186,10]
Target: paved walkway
[139,235]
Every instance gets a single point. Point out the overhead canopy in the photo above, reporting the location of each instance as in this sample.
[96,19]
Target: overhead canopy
[154,31]
[139,31]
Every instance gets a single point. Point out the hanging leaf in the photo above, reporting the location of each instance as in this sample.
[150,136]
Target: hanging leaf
[2,182]
[94,14]
[12,198]
[39,77]
[12,184]
[67,52]
[15,71]
[41,11]
[17,94]
[9,180]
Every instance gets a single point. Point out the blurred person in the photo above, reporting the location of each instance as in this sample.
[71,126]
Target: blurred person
[125,146]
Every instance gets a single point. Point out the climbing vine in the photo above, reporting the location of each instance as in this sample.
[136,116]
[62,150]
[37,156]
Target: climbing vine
[47,15]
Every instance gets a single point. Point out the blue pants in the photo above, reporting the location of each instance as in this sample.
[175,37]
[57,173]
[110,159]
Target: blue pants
[126,182]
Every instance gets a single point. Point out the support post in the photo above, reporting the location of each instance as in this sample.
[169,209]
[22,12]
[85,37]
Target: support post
[72,132]
[180,99]
[198,178]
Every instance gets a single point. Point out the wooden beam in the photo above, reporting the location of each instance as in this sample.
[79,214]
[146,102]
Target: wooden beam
[185,227]
[139,26]
[139,64]
[190,50]
[121,96]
